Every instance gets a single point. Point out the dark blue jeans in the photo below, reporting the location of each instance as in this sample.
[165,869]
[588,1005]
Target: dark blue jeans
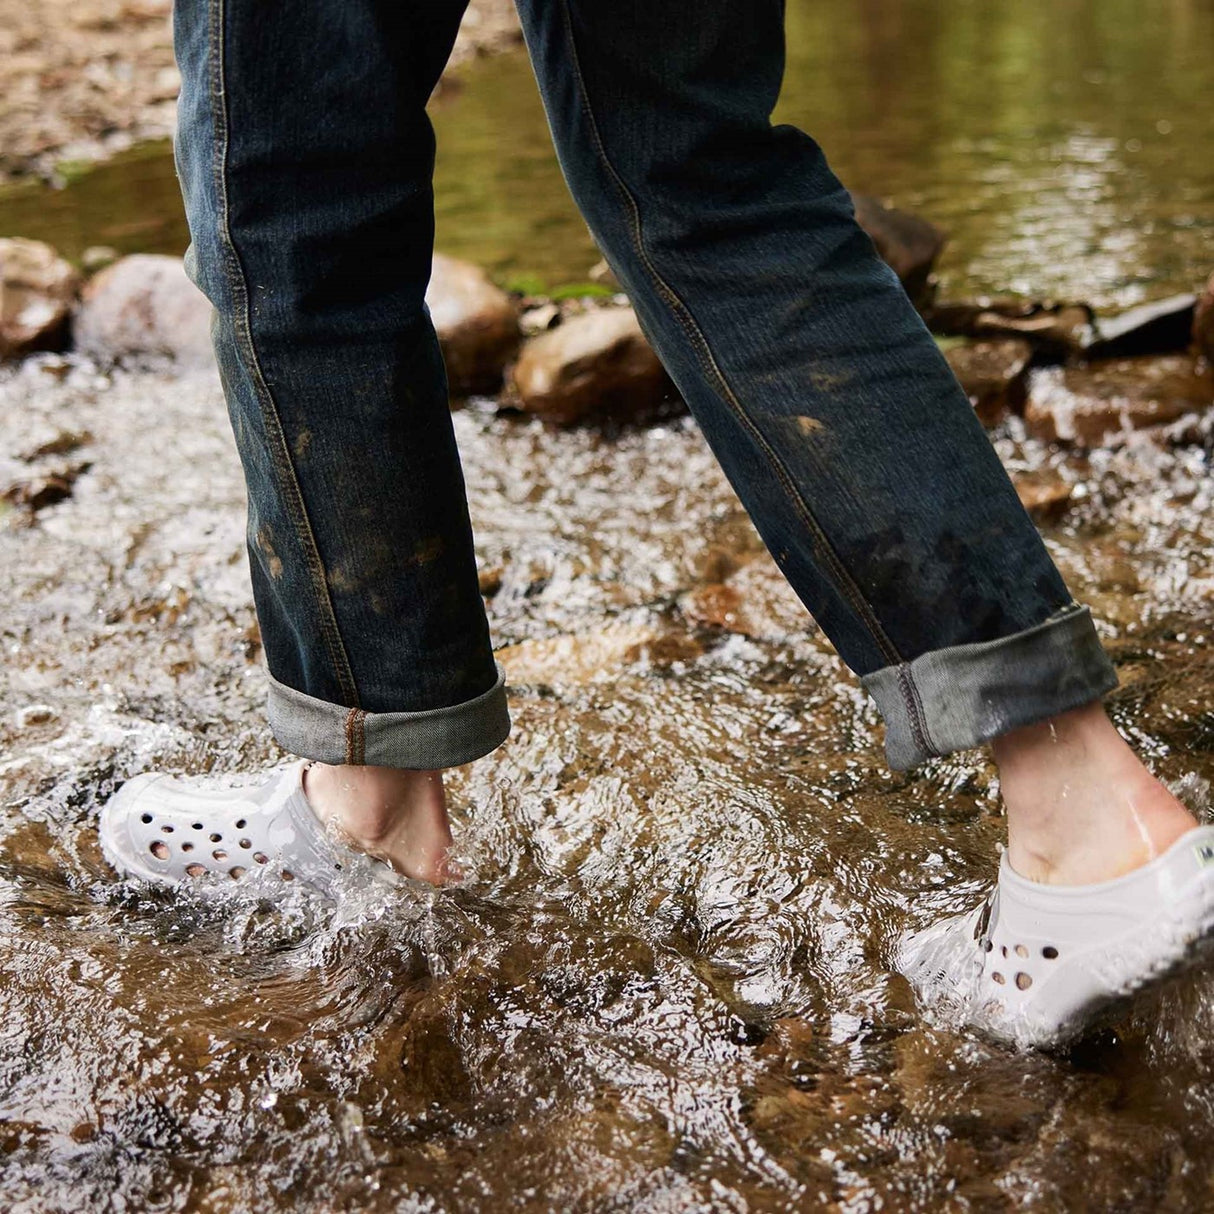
[305,156]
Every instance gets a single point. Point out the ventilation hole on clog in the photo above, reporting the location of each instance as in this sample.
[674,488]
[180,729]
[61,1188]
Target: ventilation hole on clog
[998,977]
[287,875]
[159,850]
[236,873]
[1021,951]
[988,946]
[198,826]
[219,854]
[216,838]
[1003,949]
[145,818]
[246,843]
[166,830]
[1049,952]
[187,847]
[1023,981]
[260,857]
[241,823]
[196,870]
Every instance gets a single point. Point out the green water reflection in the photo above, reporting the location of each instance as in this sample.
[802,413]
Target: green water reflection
[1067,146]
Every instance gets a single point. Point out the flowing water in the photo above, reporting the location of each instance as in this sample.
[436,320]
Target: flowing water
[665,982]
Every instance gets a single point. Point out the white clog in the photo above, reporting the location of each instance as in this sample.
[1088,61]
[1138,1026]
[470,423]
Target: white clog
[174,829]
[1036,965]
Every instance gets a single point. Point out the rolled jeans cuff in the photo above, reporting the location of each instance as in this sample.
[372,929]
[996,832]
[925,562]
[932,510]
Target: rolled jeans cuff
[955,698]
[423,741]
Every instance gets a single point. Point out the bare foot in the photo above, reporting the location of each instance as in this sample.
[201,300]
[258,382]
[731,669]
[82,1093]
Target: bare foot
[398,816]
[1081,807]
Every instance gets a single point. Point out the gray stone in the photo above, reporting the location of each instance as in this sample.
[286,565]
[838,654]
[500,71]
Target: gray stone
[37,290]
[597,366]
[145,305]
[477,325]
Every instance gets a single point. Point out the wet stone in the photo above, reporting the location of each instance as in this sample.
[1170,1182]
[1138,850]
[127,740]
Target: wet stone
[1045,495]
[594,367]
[1056,331]
[1203,323]
[994,375]
[907,243]
[476,322]
[1101,404]
[42,487]
[1163,327]
[143,305]
[754,601]
[37,290]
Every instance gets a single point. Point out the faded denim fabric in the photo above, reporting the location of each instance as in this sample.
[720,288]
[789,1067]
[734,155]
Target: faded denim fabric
[306,155]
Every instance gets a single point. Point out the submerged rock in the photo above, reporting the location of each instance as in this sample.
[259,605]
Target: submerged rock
[1090,406]
[145,304]
[597,366]
[37,290]
[1055,330]
[907,243]
[755,601]
[1163,327]
[477,325]
[1045,495]
[1203,323]
[994,375]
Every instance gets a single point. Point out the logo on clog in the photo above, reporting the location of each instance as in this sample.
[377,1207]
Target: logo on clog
[1204,853]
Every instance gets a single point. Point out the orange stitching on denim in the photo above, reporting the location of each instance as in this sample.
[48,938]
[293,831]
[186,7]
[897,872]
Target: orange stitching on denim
[242,324]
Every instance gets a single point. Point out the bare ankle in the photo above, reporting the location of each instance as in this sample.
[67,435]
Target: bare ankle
[398,815]
[1081,805]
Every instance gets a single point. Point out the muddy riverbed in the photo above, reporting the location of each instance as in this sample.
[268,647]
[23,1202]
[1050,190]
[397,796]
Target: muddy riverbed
[664,985]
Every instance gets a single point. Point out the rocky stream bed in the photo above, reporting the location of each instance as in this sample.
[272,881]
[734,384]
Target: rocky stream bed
[664,984]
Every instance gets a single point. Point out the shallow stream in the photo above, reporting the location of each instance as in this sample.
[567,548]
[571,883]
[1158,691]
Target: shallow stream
[665,983]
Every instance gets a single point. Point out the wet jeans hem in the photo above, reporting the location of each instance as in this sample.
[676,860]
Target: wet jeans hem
[440,737]
[952,699]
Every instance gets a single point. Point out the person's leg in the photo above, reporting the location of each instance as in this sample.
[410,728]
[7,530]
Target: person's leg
[305,156]
[833,412]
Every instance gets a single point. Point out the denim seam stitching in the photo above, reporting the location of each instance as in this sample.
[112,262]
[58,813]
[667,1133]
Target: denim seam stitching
[914,708]
[234,272]
[843,580]
[356,738]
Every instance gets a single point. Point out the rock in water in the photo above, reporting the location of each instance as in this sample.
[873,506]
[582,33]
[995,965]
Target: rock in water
[37,290]
[1096,405]
[145,304]
[994,375]
[908,244]
[597,366]
[1163,327]
[1058,331]
[477,325]
[1203,323]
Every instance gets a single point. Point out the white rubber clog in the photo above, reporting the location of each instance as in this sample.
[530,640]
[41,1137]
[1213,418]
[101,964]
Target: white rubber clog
[1037,965]
[174,829]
